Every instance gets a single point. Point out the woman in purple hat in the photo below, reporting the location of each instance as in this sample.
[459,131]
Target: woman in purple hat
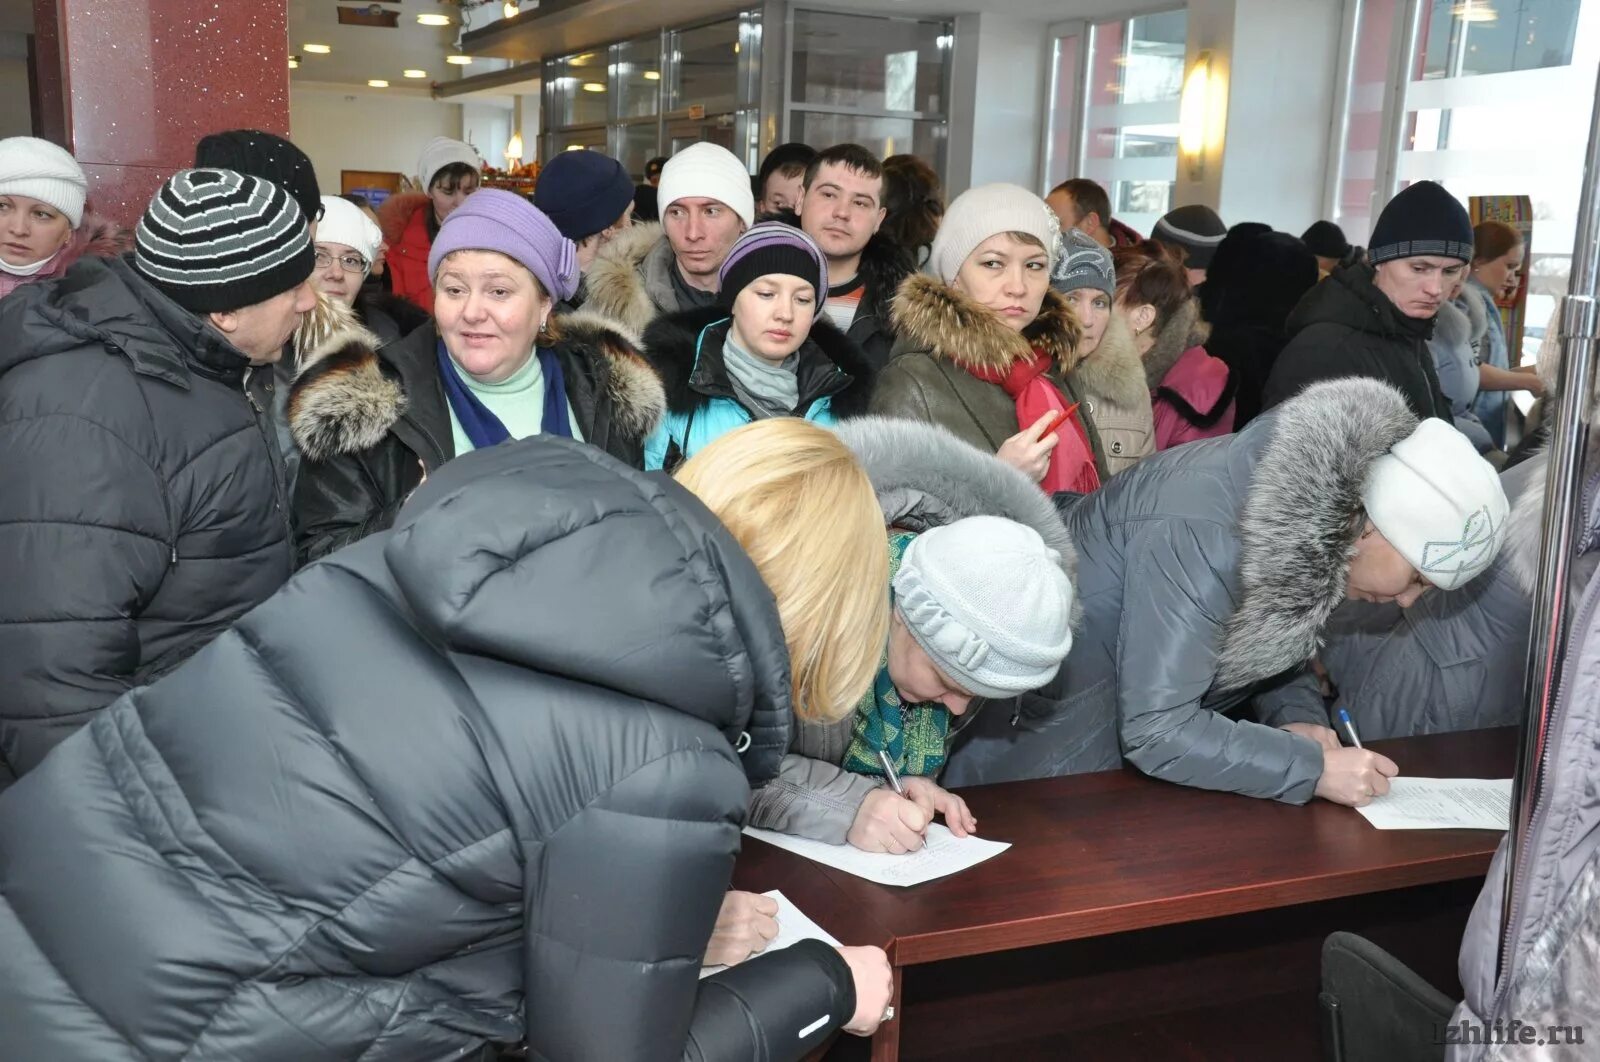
[495,364]
[764,350]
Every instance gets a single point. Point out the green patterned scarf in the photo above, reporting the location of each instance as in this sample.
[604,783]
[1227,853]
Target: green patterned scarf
[913,735]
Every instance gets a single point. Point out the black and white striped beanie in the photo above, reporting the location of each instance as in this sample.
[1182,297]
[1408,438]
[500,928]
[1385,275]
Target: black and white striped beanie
[215,240]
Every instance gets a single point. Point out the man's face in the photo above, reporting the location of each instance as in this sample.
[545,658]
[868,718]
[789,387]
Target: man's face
[1417,286]
[916,677]
[702,232]
[782,192]
[842,210]
[260,331]
[1065,208]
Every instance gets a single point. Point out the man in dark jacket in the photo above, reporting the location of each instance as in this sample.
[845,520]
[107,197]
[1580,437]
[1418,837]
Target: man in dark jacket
[454,785]
[1375,319]
[143,506]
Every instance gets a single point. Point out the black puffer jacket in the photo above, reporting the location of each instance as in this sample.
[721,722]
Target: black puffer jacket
[143,507]
[457,784]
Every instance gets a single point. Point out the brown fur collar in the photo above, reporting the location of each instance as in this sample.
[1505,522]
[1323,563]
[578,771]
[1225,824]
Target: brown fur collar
[1183,330]
[931,316]
[616,282]
[1112,372]
[97,237]
[395,214]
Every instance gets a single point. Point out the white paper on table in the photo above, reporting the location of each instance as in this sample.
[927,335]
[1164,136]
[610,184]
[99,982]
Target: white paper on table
[943,853]
[1442,804]
[793,927]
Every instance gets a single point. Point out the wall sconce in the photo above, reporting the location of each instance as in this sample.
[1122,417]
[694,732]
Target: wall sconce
[514,149]
[1194,114]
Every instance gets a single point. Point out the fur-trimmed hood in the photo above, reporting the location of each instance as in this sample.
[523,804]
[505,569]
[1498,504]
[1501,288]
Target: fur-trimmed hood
[932,316]
[1452,326]
[627,281]
[1183,331]
[98,236]
[395,213]
[349,394]
[1112,371]
[690,375]
[1300,521]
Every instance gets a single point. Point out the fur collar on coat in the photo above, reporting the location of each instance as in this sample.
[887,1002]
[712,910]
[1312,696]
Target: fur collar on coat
[1182,331]
[395,214]
[617,283]
[932,316]
[1113,371]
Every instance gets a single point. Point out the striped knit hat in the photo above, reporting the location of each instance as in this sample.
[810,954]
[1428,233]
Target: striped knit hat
[772,247]
[215,240]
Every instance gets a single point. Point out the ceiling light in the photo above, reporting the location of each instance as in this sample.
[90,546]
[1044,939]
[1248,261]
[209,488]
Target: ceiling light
[652,75]
[317,49]
[593,86]
[433,20]
[458,60]
[415,73]
[573,147]
[294,62]
[1475,11]
[377,82]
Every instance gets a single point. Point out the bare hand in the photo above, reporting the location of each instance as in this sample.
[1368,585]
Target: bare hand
[1354,776]
[936,799]
[1324,736]
[746,923]
[888,822]
[874,980]
[1027,451]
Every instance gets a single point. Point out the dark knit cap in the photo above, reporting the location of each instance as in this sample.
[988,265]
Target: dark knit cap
[267,156]
[583,192]
[1196,230]
[772,247]
[783,155]
[214,240]
[1326,240]
[1423,219]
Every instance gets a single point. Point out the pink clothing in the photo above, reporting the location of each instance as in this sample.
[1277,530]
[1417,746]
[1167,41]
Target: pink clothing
[1199,381]
[97,236]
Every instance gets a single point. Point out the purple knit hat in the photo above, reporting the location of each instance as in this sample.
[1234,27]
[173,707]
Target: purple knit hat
[772,247]
[494,220]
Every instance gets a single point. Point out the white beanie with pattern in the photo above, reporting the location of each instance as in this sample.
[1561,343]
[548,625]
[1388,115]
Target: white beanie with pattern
[985,211]
[707,171]
[40,170]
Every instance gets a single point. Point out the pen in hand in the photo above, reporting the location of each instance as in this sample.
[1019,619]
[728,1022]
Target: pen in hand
[890,773]
[1349,728]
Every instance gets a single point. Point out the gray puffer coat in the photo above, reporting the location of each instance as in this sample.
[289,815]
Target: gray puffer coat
[469,780]
[1206,574]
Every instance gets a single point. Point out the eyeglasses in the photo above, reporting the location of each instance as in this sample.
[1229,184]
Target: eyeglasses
[350,263]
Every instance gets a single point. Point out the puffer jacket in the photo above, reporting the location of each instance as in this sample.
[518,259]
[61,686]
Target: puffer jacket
[404,809]
[370,420]
[1191,391]
[1491,349]
[924,477]
[686,350]
[1110,381]
[1206,575]
[1454,362]
[1344,327]
[941,333]
[95,237]
[404,219]
[631,278]
[143,507]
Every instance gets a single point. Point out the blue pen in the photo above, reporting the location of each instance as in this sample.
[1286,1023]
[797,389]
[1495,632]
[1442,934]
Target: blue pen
[1349,727]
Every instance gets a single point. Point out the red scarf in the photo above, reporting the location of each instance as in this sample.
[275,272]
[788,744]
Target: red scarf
[1072,461]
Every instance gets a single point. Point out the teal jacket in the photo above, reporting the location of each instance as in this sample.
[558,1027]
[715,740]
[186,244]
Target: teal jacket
[686,350]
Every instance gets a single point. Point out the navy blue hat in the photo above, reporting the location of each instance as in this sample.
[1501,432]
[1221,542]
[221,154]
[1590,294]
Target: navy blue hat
[583,192]
[1423,219]
[1326,240]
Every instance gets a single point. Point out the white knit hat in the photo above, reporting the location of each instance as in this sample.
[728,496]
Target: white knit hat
[344,222]
[40,170]
[1438,503]
[440,152]
[989,603]
[985,211]
[707,171]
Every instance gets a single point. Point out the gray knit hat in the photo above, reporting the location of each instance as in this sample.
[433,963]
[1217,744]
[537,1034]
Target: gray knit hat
[1195,230]
[989,603]
[1084,264]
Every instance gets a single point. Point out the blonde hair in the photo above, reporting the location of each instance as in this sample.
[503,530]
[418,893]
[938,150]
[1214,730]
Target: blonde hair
[796,499]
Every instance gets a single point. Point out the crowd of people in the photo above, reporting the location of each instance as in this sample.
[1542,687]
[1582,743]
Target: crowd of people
[406,610]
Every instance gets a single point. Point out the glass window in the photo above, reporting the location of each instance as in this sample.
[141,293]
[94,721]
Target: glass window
[881,135]
[637,73]
[705,68]
[1377,34]
[877,64]
[637,145]
[576,87]
[593,138]
[1463,38]
[1061,148]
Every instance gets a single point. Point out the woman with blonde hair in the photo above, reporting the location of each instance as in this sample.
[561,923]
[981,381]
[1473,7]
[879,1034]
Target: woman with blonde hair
[477,778]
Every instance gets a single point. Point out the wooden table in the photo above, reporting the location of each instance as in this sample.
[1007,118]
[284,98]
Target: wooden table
[1115,854]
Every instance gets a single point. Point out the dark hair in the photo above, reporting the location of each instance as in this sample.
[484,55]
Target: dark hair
[655,165]
[788,160]
[449,178]
[1151,274]
[1493,239]
[1087,196]
[852,157]
[915,201]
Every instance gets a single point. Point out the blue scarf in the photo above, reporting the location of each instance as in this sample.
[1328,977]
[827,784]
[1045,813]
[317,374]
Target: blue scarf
[482,426]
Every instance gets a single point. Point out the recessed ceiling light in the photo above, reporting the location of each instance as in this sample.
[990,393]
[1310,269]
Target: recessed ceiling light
[377,82]
[593,86]
[317,49]
[415,73]
[433,20]
[652,75]
[458,60]
[574,147]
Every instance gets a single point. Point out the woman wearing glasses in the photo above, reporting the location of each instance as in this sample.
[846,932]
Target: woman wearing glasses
[348,243]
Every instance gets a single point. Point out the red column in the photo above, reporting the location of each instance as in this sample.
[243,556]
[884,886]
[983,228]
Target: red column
[129,86]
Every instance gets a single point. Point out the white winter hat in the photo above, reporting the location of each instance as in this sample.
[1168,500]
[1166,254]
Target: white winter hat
[40,170]
[1438,503]
[440,152]
[707,171]
[985,211]
[989,603]
[344,222]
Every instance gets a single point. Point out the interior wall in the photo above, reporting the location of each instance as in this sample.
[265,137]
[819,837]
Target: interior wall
[342,128]
[486,125]
[998,81]
[16,118]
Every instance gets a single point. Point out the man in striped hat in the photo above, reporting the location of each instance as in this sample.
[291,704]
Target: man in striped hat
[143,506]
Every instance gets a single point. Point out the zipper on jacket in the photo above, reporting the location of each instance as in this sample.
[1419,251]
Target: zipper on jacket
[274,457]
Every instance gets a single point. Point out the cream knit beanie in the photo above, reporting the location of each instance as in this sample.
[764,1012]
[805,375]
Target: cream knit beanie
[40,170]
[985,211]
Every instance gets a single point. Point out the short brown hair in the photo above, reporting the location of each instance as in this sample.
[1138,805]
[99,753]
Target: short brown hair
[1087,196]
[1493,239]
[1151,274]
[852,157]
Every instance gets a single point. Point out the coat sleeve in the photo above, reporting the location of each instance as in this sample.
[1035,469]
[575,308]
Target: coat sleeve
[337,502]
[898,393]
[811,798]
[87,537]
[1296,701]
[619,905]
[1175,605]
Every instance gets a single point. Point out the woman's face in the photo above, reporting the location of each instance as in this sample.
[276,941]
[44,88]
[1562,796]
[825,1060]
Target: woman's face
[1009,276]
[1494,273]
[31,231]
[1380,574]
[333,277]
[772,316]
[446,198]
[489,309]
[1094,313]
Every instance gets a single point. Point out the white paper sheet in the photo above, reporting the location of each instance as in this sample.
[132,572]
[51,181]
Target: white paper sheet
[1442,804]
[943,854]
[793,927]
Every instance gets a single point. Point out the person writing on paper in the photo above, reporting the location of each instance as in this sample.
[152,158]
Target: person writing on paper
[1208,573]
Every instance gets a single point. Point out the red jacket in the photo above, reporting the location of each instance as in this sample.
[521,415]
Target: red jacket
[404,219]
